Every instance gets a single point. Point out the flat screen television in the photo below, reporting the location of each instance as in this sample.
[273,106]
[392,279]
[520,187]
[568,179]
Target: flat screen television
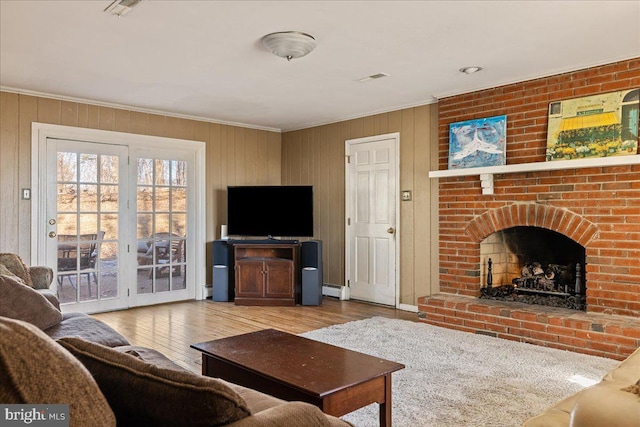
[270,211]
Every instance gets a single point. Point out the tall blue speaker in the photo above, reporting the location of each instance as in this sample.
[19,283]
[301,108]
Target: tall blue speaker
[311,263]
[222,289]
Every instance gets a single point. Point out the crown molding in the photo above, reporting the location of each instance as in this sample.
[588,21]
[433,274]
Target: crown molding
[133,108]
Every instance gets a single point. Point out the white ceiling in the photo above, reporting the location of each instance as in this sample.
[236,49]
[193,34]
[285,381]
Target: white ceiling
[205,59]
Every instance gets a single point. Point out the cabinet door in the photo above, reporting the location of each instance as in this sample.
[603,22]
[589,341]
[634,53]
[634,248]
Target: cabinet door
[279,283]
[250,278]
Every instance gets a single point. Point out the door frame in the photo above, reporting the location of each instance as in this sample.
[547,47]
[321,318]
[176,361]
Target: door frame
[348,205]
[39,134]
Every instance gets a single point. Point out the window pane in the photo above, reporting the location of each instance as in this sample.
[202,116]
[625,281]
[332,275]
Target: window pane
[67,224]
[145,281]
[88,198]
[178,173]
[109,169]
[179,225]
[162,199]
[67,198]
[145,226]
[109,224]
[144,200]
[163,172]
[145,171]
[109,198]
[179,199]
[67,167]
[89,168]
[162,223]
[88,223]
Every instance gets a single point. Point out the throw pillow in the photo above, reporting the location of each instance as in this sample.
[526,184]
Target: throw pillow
[14,263]
[156,395]
[36,370]
[4,271]
[24,303]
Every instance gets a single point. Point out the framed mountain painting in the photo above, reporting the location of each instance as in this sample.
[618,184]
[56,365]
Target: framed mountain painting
[594,126]
[478,143]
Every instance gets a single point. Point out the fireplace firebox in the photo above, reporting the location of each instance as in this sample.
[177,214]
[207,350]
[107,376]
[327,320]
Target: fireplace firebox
[534,265]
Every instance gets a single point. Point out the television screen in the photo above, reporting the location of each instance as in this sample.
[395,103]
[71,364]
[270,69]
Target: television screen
[270,211]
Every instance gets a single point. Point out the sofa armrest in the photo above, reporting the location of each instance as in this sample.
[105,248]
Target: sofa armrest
[41,277]
[290,414]
[606,404]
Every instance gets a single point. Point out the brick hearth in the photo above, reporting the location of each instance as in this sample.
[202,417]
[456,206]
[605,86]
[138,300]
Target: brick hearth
[597,207]
[591,333]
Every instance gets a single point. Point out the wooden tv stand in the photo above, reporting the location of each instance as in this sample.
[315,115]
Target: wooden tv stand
[266,274]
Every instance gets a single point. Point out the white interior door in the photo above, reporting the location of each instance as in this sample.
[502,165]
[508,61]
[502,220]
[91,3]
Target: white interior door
[371,206]
[86,196]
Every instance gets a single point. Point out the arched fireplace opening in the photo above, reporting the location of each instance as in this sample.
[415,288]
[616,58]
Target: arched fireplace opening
[533,265]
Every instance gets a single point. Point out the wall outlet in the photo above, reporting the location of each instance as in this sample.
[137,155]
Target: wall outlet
[406,195]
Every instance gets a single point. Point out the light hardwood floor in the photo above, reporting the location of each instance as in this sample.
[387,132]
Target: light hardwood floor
[172,328]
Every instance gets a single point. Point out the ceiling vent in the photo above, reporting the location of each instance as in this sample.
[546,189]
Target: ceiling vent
[373,77]
[121,7]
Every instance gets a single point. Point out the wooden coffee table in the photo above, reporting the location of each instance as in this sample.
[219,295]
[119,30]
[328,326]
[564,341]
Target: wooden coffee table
[290,367]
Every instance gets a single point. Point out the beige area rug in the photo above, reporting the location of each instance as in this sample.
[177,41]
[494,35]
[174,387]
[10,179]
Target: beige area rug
[455,378]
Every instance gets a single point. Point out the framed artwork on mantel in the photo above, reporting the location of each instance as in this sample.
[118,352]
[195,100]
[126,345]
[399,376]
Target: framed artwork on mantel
[594,126]
[478,143]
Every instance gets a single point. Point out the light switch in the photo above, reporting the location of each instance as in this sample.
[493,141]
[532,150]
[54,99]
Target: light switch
[26,194]
[406,195]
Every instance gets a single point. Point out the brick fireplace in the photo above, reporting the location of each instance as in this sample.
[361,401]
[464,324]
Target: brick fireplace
[598,208]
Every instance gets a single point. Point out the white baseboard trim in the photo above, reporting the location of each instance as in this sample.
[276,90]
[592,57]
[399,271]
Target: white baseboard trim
[407,307]
[336,291]
[207,291]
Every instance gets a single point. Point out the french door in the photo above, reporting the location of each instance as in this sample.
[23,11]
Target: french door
[118,224]
[162,205]
[86,221]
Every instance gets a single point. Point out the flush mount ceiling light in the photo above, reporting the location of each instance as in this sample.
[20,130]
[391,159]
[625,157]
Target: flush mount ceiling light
[470,70]
[289,44]
[121,7]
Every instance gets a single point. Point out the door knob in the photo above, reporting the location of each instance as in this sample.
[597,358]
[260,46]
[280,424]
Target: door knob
[52,234]
[391,230]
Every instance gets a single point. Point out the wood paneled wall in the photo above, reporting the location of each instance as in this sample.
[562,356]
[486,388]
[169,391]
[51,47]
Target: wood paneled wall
[316,156]
[235,156]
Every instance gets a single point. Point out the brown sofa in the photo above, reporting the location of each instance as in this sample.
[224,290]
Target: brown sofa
[47,357]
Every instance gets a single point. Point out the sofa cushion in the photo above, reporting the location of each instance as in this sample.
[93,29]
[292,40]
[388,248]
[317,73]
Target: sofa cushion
[24,303]
[34,369]
[156,395]
[84,326]
[14,264]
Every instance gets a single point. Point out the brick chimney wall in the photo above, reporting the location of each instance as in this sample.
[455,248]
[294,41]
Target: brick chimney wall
[598,207]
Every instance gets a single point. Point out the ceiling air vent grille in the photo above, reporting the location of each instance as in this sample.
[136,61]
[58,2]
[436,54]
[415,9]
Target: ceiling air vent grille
[373,77]
[121,7]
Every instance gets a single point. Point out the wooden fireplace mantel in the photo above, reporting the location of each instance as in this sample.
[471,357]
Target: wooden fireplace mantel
[486,173]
